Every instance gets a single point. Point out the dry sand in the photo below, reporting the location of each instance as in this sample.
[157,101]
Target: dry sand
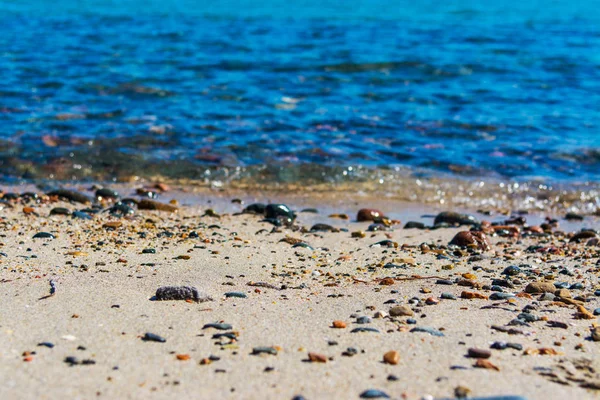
[102,307]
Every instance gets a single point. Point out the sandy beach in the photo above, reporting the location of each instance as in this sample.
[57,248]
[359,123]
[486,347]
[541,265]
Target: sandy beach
[280,289]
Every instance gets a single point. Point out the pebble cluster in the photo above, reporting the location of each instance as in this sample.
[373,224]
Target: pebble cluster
[539,278]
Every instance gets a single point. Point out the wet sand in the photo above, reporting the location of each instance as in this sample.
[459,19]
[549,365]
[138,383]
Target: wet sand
[104,285]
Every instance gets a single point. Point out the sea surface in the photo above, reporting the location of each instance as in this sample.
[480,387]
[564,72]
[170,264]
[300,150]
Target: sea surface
[475,90]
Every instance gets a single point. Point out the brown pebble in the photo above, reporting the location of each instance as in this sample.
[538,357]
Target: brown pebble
[471,239]
[146,204]
[368,214]
[462,392]
[540,287]
[432,301]
[596,334]
[564,293]
[339,324]
[401,311]
[387,281]
[112,225]
[481,363]
[479,353]
[391,357]
[583,313]
[183,357]
[316,357]
[472,295]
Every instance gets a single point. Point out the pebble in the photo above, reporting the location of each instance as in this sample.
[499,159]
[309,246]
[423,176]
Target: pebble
[364,329]
[597,311]
[219,326]
[512,270]
[70,195]
[506,345]
[338,324]
[363,320]
[368,214]
[501,296]
[236,294]
[596,334]
[106,193]
[149,251]
[275,211]
[374,394]
[540,287]
[81,215]
[180,293]
[323,228]
[151,337]
[60,211]
[414,225]
[547,297]
[454,218]
[316,357]
[582,235]
[426,329]
[444,282]
[401,311]
[43,235]
[391,357]
[448,296]
[147,204]
[478,353]
[46,344]
[264,350]
[481,363]
[471,239]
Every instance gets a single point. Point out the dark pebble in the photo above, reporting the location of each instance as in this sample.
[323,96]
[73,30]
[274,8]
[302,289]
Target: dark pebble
[275,211]
[219,326]
[60,211]
[46,344]
[323,228]
[264,350]
[81,215]
[368,214]
[454,218]
[151,337]
[236,294]
[444,282]
[106,193]
[180,293]
[478,353]
[363,320]
[43,235]
[149,251]
[364,329]
[414,225]
[374,394]
[70,195]
[512,270]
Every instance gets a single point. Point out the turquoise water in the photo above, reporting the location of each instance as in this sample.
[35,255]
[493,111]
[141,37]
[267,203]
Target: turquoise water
[469,89]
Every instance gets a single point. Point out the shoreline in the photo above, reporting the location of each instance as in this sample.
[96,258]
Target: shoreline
[104,282]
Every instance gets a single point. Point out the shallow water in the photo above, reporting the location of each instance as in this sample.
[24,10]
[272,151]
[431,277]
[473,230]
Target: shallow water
[469,89]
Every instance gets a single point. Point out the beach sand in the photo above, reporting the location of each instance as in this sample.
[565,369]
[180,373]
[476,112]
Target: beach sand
[102,307]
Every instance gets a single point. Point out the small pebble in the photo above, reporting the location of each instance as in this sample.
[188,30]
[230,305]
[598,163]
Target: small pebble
[391,357]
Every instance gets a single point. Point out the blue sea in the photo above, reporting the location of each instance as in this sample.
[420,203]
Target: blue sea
[465,89]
